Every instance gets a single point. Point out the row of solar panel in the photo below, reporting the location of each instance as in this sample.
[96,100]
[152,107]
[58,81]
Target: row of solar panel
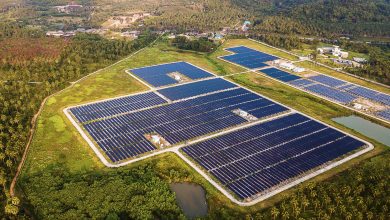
[180,121]
[384,114]
[280,75]
[370,94]
[112,107]
[353,89]
[244,160]
[248,57]
[196,88]
[158,75]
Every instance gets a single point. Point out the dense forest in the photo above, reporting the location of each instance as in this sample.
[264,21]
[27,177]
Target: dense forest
[332,17]
[200,45]
[20,97]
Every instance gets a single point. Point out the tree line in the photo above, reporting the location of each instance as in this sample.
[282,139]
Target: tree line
[202,44]
[20,100]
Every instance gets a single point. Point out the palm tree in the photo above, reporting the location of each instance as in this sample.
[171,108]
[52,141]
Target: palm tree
[305,203]
[285,215]
[348,216]
[370,215]
[274,212]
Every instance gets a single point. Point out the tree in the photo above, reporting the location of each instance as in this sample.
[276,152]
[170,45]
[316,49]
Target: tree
[274,212]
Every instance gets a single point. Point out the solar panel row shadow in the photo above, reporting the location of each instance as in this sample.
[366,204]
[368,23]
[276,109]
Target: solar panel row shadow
[177,122]
[248,57]
[280,74]
[158,75]
[196,88]
[255,159]
[113,107]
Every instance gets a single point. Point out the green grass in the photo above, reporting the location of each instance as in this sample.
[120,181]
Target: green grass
[57,143]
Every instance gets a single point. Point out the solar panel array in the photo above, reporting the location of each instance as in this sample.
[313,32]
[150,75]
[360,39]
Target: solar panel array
[113,107]
[370,94]
[326,86]
[280,75]
[248,57]
[326,80]
[301,82]
[384,114]
[158,75]
[331,93]
[196,88]
[123,136]
[256,159]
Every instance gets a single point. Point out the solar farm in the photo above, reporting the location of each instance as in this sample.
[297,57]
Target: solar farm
[327,87]
[248,146]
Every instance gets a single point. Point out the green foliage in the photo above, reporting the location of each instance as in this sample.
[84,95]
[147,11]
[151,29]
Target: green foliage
[200,45]
[285,41]
[20,99]
[135,193]
[377,68]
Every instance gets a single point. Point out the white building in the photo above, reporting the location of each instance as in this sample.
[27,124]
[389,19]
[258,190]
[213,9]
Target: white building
[359,59]
[334,50]
[287,65]
[299,69]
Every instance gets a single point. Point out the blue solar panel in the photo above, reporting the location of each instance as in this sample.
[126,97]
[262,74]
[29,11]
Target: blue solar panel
[240,49]
[116,106]
[370,94]
[346,86]
[255,159]
[158,75]
[326,80]
[122,136]
[280,74]
[248,57]
[196,88]
[301,82]
[331,93]
[384,114]
[383,98]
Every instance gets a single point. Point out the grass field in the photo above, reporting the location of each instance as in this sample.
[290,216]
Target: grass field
[57,143]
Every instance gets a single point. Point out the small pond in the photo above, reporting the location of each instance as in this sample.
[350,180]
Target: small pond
[367,128]
[191,198]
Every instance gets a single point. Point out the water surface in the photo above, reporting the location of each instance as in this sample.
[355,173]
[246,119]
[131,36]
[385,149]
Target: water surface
[191,198]
[367,128]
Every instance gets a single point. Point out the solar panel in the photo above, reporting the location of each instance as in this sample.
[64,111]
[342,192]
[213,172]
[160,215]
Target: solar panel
[280,74]
[331,93]
[123,136]
[326,80]
[301,82]
[196,88]
[158,75]
[384,114]
[255,159]
[248,57]
[117,106]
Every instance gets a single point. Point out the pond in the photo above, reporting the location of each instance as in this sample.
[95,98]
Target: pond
[191,198]
[367,128]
